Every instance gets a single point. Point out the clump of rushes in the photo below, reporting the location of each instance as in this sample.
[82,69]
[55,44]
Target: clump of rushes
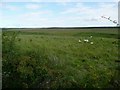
[30,40]
[19,39]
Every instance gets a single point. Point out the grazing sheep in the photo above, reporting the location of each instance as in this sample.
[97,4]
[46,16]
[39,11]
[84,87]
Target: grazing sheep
[79,41]
[91,42]
[91,36]
[86,40]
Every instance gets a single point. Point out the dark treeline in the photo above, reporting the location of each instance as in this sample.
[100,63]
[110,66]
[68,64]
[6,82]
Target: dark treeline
[63,28]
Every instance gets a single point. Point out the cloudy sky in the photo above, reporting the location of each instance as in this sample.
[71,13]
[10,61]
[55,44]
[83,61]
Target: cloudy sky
[64,13]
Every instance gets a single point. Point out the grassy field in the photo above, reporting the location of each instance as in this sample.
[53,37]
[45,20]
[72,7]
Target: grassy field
[54,58]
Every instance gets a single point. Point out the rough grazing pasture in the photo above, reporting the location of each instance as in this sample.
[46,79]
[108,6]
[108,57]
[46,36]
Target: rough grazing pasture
[54,58]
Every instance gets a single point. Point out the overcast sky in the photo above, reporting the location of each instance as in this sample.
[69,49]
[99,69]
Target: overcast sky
[64,13]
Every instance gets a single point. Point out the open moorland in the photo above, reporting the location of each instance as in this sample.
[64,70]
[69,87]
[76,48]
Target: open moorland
[60,58]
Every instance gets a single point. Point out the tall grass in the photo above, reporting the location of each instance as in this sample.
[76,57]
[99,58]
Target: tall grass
[58,61]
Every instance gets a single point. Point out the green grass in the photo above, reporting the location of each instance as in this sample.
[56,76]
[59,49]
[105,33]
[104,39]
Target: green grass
[55,59]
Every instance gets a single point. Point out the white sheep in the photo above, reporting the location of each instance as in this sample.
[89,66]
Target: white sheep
[90,36]
[86,40]
[79,41]
[91,42]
